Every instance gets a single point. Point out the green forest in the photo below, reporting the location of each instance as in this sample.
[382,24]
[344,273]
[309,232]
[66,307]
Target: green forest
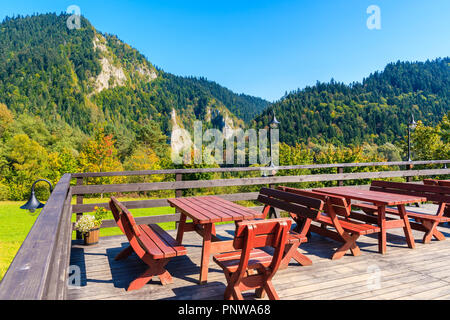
[84,101]
[377,110]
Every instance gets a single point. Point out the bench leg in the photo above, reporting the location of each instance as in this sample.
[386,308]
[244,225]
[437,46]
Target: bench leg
[156,268]
[206,252]
[350,244]
[180,231]
[407,227]
[432,231]
[381,215]
[270,290]
[291,252]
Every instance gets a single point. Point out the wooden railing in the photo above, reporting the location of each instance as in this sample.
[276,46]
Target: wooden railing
[40,267]
[80,190]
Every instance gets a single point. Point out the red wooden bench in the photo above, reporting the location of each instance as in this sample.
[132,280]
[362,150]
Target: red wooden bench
[151,243]
[424,222]
[442,183]
[338,215]
[300,205]
[250,268]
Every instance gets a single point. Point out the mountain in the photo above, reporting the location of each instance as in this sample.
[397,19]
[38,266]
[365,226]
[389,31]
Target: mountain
[377,109]
[86,78]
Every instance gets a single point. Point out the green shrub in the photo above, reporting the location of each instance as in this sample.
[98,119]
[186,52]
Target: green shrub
[4,192]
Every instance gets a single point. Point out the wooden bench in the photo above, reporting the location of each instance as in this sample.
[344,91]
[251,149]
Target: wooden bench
[442,183]
[300,205]
[424,222]
[151,243]
[434,182]
[251,268]
[338,215]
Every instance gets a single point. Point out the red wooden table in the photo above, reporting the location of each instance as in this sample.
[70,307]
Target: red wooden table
[204,212]
[381,200]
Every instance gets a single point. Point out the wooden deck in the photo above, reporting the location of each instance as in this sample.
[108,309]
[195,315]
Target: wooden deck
[420,273]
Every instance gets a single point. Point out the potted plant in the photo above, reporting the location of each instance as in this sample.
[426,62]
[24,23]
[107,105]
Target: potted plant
[89,225]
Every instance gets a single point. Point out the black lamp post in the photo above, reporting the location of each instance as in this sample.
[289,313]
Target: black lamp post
[273,125]
[411,126]
[33,203]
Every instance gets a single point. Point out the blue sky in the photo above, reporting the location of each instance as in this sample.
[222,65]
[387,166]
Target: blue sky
[265,48]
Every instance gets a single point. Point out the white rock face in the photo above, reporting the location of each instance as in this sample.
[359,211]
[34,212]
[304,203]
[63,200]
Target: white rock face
[146,72]
[111,75]
[109,72]
[180,142]
[228,128]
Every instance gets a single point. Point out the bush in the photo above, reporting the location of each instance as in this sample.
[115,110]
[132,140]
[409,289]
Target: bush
[4,192]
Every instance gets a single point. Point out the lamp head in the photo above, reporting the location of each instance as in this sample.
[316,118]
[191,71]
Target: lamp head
[274,122]
[33,203]
[413,123]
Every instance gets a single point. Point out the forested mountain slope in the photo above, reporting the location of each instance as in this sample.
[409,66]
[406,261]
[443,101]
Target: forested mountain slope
[84,78]
[375,110]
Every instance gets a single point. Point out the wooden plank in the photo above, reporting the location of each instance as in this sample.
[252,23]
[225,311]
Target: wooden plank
[294,198]
[238,212]
[290,207]
[431,193]
[192,184]
[179,249]
[376,197]
[185,208]
[197,207]
[27,276]
[57,282]
[249,169]
[111,223]
[167,251]
[155,203]
[208,204]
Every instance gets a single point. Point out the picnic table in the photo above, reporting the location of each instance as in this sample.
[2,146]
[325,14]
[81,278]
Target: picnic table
[205,211]
[381,200]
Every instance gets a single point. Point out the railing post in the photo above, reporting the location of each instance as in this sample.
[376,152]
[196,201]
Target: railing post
[340,171]
[409,167]
[80,199]
[273,212]
[178,192]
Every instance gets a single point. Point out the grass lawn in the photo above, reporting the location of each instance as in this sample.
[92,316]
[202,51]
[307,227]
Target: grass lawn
[15,224]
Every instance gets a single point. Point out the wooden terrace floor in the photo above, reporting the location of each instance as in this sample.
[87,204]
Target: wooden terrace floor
[420,273]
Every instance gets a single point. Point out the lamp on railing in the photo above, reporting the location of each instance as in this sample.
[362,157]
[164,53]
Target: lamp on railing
[33,203]
[273,125]
[411,126]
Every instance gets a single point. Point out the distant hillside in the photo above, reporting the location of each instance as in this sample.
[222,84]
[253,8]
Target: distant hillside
[376,110]
[84,77]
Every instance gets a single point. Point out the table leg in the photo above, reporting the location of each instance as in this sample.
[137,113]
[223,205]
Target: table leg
[206,252]
[180,231]
[407,227]
[382,225]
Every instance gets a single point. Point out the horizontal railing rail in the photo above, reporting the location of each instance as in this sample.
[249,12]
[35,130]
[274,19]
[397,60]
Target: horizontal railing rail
[261,169]
[80,190]
[39,269]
